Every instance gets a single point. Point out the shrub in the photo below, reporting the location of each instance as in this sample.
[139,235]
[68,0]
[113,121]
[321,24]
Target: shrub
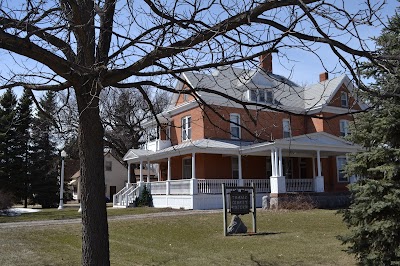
[6,200]
[297,202]
[145,198]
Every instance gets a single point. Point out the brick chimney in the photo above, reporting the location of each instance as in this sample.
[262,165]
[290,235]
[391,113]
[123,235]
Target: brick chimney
[266,62]
[323,76]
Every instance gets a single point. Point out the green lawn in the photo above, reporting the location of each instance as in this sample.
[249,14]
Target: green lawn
[72,213]
[286,238]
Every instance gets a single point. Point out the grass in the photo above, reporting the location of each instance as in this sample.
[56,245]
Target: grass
[285,238]
[72,213]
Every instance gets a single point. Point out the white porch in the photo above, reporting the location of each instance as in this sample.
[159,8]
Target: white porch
[201,194]
[190,192]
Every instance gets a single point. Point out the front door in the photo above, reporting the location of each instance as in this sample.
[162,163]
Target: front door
[113,190]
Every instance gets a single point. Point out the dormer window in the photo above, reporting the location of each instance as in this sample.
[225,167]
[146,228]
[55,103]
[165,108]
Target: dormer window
[261,96]
[269,96]
[344,99]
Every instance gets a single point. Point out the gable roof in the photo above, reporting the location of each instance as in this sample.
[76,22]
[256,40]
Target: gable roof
[236,82]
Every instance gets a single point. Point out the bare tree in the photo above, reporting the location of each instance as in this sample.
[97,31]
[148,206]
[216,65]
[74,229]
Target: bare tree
[123,113]
[90,45]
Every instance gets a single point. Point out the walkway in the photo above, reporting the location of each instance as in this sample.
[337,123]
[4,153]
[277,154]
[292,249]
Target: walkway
[111,218]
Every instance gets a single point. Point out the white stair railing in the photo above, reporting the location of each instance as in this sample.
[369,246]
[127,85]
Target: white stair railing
[126,196]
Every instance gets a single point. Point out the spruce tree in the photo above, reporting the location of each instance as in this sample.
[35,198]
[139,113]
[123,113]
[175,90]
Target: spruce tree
[23,148]
[45,160]
[374,215]
[8,104]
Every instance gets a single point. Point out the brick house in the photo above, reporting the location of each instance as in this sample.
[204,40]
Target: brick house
[202,144]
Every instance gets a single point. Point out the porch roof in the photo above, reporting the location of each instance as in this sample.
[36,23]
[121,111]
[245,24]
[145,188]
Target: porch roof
[230,147]
[321,141]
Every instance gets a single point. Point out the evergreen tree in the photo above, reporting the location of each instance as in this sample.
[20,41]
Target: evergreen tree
[45,160]
[8,103]
[23,148]
[374,215]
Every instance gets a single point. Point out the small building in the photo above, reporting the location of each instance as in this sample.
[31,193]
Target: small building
[114,173]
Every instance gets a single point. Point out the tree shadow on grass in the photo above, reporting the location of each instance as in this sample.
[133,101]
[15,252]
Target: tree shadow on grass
[257,234]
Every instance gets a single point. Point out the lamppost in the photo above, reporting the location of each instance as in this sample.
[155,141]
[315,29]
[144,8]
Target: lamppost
[63,155]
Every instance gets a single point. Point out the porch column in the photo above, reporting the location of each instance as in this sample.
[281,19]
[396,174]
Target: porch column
[193,165]
[313,166]
[280,172]
[273,162]
[319,179]
[278,182]
[141,172]
[168,176]
[129,174]
[193,181]
[148,171]
[240,181]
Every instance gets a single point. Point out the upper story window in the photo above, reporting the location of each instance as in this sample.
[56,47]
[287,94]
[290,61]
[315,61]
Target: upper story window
[287,131]
[152,134]
[344,128]
[185,97]
[186,128]
[235,126]
[344,99]
[261,96]
[108,166]
[341,162]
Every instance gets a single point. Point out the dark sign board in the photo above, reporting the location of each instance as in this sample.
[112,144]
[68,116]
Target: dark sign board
[240,202]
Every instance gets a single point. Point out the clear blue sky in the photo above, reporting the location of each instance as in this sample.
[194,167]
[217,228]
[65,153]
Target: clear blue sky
[306,67]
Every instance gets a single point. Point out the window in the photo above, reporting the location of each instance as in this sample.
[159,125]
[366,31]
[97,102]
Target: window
[261,96]
[187,168]
[235,126]
[108,166]
[344,99]
[287,167]
[269,96]
[344,128]
[287,132]
[253,95]
[341,162]
[268,167]
[235,167]
[186,128]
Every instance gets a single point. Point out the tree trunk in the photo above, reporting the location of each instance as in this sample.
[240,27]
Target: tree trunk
[95,245]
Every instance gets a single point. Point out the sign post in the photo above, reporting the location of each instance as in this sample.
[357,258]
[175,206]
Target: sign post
[239,203]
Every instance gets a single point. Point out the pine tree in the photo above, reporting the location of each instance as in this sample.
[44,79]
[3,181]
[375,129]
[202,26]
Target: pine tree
[374,215]
[8,103]
[23,148]
[45,160]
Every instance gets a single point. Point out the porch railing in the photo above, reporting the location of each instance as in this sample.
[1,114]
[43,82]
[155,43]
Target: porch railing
[299,185]
[126,196]
[214,186]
